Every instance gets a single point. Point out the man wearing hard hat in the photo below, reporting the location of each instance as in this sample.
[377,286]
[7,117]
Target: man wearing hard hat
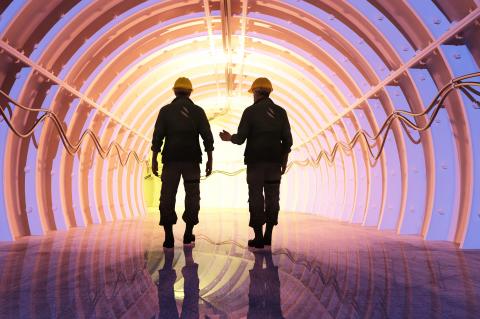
[266,128]
[180,123]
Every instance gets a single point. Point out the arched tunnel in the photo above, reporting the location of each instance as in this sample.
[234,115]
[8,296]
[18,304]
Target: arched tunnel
[380,205]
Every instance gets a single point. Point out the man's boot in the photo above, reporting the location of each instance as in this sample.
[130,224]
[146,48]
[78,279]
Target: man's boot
[257,242]
[267,237]
[188,236]
[169,241]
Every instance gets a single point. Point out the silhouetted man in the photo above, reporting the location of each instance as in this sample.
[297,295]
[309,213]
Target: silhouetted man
[180,123]
[266,128]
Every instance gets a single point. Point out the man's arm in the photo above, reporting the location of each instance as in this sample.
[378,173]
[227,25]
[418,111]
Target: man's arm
[157,141]
[242,132]
[287,142]
[207,136]
[154,163]
[208,169]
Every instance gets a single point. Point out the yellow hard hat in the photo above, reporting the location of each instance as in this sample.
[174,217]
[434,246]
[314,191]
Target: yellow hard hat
[261,83]
[183,83]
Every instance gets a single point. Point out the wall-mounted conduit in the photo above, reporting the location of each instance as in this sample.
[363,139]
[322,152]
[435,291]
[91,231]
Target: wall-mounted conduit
[463,83]
[71,147]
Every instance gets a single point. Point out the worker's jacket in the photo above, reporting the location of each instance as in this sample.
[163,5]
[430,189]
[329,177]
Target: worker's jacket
[180,123]
[266,128]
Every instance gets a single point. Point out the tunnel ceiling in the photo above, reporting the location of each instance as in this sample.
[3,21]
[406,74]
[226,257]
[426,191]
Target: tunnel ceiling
[337,67]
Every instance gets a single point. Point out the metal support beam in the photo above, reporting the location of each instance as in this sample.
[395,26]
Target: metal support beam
[226,13]
[208,20]
[47,74]
[456,28]
[242,43]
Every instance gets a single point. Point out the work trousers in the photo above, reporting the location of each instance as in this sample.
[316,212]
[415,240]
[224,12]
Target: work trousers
[171,173]
[263,177]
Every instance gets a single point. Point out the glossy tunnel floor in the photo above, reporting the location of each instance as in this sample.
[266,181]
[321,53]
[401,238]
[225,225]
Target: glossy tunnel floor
[316,268]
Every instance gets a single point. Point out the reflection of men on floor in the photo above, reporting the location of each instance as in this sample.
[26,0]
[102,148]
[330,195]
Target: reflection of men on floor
[180,123]
[166,294]
[264,292]
[166,280]
[266,128]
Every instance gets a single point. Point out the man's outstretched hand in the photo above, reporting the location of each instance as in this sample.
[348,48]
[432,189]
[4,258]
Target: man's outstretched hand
[208,169]
[225,136]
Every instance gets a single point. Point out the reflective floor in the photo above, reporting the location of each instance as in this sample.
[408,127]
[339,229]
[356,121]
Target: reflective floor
[315,269]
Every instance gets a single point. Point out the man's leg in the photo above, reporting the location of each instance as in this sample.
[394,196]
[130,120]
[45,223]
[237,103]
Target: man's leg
[168,217]
[272,199]
[191,180]
[256,203]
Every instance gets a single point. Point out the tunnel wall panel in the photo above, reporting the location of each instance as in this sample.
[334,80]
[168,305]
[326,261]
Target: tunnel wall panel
[80,218]
[59,213]
[460,61]
[346,171]
[49,155]
[411,221]
[37,227]
[374,177]
[5,233]
[393,185]
[445,201]
[360,176]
